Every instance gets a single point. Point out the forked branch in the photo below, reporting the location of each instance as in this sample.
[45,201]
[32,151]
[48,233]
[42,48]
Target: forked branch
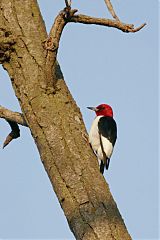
[68,15]
[13,119]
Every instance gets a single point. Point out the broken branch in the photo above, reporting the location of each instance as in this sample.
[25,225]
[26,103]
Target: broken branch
[13,119]
[15,133]
[12,116]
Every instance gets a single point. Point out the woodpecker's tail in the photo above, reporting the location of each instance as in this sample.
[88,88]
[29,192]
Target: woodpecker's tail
[104,164]
[102,167]
[107,163]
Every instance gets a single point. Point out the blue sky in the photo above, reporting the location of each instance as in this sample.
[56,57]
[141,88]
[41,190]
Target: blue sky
[100,65]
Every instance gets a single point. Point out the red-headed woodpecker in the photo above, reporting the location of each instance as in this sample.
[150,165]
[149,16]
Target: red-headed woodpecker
[103,134]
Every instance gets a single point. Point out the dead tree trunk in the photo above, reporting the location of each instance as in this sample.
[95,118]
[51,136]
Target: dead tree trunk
[54,119]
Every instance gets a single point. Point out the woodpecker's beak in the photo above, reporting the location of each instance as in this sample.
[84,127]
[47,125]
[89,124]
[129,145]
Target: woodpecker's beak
[93,108]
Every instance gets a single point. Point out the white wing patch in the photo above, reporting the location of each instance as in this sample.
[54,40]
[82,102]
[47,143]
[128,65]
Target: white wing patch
[94,135]
[107,146]
[94,140]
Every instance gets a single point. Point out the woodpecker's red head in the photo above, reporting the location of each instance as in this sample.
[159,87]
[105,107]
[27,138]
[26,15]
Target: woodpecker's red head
[102,110]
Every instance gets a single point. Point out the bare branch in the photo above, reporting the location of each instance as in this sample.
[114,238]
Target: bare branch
[52,43]
[105,22]
[12,116]
[111,10]
[68,15]
[61,20]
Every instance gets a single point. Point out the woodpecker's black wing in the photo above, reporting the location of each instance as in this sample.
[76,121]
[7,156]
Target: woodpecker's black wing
[107,128]
[102,167]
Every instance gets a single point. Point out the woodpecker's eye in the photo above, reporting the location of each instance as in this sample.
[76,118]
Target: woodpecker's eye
[101,108]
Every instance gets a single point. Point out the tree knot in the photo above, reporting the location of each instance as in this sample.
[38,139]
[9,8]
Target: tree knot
[6,45]
[68,13]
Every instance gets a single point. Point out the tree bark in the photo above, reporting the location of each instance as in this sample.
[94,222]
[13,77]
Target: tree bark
[56,125]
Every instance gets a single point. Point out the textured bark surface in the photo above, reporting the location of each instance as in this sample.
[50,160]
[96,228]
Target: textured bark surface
[56,124]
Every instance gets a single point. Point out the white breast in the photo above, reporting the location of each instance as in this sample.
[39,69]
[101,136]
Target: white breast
[94,135]
[94,140]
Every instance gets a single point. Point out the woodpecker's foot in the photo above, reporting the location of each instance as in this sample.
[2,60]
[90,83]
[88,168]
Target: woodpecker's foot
[85,137]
